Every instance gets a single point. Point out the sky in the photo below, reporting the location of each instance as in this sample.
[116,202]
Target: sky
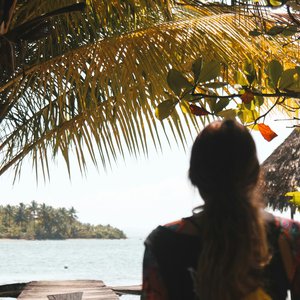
[136,195]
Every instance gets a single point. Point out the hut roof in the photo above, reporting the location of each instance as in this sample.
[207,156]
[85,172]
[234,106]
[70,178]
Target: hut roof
[281,171]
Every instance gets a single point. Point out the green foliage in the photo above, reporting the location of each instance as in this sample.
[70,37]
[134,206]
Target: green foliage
[288,79]
[177,81]
[274,71]
[45,222]
[275,30]
[290,30]
[283,30]
[241,96]
[255,32]
[79,75]
[241,79]
[228,114]
[165,108]
[220,105]
[249,71]
[196,68]
[209,71]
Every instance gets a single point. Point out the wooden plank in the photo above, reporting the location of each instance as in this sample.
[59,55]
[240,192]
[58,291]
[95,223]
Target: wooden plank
[12,290]
[92,289]
[127,290]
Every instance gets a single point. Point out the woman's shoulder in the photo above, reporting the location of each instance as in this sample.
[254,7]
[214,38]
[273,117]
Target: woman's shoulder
[289,227]
[185,226]
[176,226]
[289,230]
[175,230]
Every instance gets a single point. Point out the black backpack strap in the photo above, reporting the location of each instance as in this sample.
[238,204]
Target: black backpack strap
[289,262]
[275,279]
[287,257]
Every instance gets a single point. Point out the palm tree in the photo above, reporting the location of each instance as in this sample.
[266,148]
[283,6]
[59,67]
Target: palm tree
[34,207]
[45,220]
[89,76]
[33,210]
[8,214]
[59,224]
[72,215]
[21,215]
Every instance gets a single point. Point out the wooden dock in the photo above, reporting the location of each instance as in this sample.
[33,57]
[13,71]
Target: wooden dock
[92,289]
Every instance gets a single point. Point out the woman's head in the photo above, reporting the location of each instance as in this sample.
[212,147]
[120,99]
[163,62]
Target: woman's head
[225,169]
[223,160]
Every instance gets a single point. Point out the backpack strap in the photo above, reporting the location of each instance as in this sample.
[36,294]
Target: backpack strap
[289,262]
[284,247]
[287,257]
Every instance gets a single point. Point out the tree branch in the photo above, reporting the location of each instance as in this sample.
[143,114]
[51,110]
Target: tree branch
[291,16]
[268,111]
[277,94]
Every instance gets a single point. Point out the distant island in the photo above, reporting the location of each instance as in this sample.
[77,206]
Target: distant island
[40,222]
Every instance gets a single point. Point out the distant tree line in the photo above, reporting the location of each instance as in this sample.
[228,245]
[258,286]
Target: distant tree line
[40,221]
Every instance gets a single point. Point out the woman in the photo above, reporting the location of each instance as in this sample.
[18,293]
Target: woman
[230,249]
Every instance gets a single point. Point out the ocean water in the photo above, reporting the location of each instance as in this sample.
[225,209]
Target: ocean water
[116,262]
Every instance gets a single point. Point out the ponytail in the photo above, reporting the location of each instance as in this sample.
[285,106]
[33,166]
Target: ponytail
[225,169]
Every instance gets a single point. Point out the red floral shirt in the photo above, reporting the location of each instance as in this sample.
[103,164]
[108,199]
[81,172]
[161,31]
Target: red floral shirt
[155,289]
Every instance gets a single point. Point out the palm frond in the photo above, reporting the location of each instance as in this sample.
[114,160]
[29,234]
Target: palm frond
[101,95]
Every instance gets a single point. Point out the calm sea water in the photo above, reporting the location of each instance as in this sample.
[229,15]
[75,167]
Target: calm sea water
[116,262]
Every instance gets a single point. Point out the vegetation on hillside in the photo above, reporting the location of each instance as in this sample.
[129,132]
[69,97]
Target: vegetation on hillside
[40,221]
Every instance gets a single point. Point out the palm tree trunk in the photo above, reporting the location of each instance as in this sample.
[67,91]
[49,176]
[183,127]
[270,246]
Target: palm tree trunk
[293,211]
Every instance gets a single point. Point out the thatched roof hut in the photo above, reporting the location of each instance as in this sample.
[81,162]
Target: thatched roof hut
[282,173]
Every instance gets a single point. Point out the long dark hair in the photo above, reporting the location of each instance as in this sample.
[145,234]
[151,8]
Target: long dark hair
[225,169]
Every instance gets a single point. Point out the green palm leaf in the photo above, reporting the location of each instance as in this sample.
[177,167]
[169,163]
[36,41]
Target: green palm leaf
[99,90]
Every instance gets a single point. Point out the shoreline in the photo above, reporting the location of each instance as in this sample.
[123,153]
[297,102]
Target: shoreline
[68,239]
